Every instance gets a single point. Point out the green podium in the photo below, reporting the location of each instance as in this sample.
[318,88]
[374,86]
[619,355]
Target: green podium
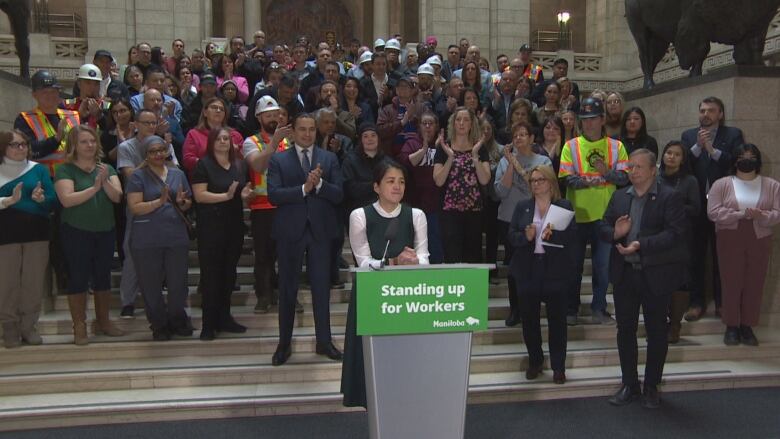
[416,323]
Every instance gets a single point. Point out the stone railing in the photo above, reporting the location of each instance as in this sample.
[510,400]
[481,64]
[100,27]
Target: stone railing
[60,55]
[581,62]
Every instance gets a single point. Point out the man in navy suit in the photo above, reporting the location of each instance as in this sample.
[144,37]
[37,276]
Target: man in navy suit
[305,184]
[710,145]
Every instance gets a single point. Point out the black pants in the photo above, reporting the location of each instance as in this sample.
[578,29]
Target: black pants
[155,266]
[490,228]
[631,292]
[338,244]
[503,233]
[462,235]
[530,300]
[704,236]
[218,261]
[318,253]
[265,254]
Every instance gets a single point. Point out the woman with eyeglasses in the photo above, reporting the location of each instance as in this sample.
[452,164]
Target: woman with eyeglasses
[542,264]
[214,115]
[159,241]
[26,198]
[511,186]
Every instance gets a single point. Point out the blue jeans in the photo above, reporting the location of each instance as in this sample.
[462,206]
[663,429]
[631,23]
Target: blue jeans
[435,247]
[588,233]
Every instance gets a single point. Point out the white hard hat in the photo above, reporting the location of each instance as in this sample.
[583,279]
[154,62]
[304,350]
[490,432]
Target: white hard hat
[425,69]
[266,103]
[379,43]
[90,72]
[392,43]
[433,60]
[365,57]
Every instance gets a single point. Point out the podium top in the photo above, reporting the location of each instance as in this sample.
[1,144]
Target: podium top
[422,267]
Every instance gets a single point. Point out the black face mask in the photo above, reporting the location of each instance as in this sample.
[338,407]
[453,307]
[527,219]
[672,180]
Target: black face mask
[747,165]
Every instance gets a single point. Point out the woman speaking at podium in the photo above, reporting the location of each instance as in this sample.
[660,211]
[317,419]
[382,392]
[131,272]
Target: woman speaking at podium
[383,233]
[542,263]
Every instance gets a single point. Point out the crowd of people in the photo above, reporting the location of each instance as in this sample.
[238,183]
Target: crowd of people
[319,140]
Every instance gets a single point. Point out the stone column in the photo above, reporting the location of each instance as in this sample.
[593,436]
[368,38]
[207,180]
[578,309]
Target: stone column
[252,19]
[381,19]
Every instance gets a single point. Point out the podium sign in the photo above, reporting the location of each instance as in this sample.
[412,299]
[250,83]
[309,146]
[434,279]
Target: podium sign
[419,301]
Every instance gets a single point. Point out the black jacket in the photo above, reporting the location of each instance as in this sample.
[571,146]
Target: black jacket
[662,248]
[706,169]
[560,263]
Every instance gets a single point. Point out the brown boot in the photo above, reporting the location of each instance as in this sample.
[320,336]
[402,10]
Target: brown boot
[102,324]
[78,313]
[676,310]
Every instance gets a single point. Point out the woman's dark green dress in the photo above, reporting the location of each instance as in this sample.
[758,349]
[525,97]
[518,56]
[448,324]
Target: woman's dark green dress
[353,378]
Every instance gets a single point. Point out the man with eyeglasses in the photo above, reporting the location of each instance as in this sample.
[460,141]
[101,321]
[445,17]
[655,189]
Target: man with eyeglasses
[167,125]
[155,78]
[128,159]
[177,47]
[144,57]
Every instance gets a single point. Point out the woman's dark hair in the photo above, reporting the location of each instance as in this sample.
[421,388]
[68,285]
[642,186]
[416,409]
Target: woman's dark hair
[430,115]
[222,94]
[157,57]
[385,165]
[213,134]
[642,130]
[320,102]
[130,54]
[478,85]
[685,164]
[216,65]
[462,98]
[558,122]
[341,92]
[529,82]
[741,149]
[110,116]
[178,68]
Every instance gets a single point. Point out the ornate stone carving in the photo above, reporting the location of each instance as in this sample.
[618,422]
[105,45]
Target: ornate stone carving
[286,19]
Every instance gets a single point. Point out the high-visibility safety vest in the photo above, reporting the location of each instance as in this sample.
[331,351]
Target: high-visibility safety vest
[73,104]
[42,129]
[533,71]
[577,158]
[259,179]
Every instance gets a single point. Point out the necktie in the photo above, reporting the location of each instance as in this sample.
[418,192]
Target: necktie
[305,162]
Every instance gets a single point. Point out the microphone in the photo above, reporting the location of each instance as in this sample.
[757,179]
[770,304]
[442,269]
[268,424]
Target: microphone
[392,230]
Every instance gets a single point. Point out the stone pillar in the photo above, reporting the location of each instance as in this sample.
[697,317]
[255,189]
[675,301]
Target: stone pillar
[252,19]
[381,20]
[608,34]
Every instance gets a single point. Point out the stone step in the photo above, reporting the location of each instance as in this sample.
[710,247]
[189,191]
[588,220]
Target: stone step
[192,371]
[138,343]
[59,321]
[242,400]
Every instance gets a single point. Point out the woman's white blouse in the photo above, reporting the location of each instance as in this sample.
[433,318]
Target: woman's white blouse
[358,239]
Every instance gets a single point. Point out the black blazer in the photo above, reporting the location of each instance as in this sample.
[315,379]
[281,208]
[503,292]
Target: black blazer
[285,178]
[662,248]
[705,169]
[560,263]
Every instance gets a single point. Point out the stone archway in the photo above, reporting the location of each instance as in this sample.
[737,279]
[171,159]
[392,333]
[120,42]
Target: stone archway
[286,19]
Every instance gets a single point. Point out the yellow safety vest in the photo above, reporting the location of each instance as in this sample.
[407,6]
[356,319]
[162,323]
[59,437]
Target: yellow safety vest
[42,129]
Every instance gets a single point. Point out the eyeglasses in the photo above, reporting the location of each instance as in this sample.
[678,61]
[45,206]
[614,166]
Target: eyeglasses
[149,123]
[427,123]
[537,180]
[613,101]
[216,108]
[18,145]
[157,151]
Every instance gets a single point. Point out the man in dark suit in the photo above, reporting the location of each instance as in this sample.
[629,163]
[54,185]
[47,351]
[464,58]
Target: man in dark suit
[305,184]
[645,222]
[710,146]
[503,97]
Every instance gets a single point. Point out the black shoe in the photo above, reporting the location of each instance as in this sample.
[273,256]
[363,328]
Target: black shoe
[533,372]
[161,335]
[262,308]
[732,336]
[337,285]
[747,336]
[181,330]
[343,265]
[281,355]
[207,334]
[236,287]
[298,307]
[329,350]
[559,377]
[513,319]
[232,327]
[493,278]
[650,398]
[625,395]
[128,312]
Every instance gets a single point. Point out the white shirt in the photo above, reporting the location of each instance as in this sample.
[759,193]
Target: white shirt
[358,239]
[747,192]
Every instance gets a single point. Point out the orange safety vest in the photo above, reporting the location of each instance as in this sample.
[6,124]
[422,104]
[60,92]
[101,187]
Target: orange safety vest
[42,129]
[259,179]
[533,71]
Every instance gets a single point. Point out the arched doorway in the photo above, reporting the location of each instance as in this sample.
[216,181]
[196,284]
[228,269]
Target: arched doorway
[320,20]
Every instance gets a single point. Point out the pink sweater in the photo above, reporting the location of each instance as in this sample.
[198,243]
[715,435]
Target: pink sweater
[723,209]
[195,146]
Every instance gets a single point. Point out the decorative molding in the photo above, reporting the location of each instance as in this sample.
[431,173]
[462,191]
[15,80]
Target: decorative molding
[69,48]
